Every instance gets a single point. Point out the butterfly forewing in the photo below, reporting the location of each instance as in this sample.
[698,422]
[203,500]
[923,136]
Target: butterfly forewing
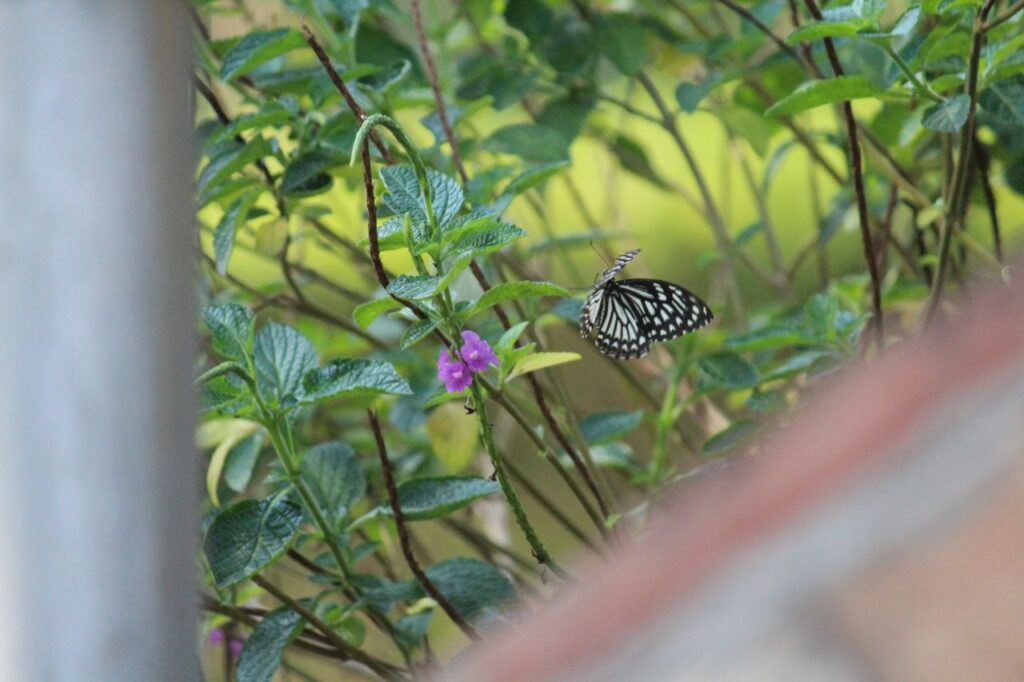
[631,314]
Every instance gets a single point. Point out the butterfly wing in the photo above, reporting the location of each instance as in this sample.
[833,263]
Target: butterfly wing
[592,306]
[620,327]
[667,310]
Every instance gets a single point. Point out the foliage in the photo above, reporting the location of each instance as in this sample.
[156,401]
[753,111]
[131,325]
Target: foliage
[333,445]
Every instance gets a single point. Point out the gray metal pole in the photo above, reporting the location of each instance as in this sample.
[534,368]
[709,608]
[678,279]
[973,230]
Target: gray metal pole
[98,471]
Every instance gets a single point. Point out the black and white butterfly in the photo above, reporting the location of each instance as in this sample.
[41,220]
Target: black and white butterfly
[630,314]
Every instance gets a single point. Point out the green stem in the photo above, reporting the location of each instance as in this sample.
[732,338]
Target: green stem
[518,512]
[919,87]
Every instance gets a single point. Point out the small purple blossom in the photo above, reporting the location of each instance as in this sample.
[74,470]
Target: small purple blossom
[477,353]
[454,373]
[475,356]
[235,648]
[216,637]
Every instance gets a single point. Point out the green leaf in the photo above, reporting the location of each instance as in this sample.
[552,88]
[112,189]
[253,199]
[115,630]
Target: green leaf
[906,24]
[409,630]
[405,195]
[486,240]
[605,427]
[949,116]
[816,30]
[870,10]
[817,93]
[230,328]
[1005,100]
[283,356]
[689,95]
[271,114]
[475,588]
[258,48]
[353,377]
[734,435]
[247,537]
[513,290]
[729,370]
[433,498]
[224,234]
[633,158]
[416,332]
[241,462]
[335,477]
[365,313]
[622,39]
[535,176]
[230,159]
[750,126]
[537,361]
[777,335]
[413,286]
[529,141]
[767,401]
[261,654]
[307,173]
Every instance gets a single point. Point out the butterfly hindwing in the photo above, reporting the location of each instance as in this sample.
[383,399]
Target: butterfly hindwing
[621,333]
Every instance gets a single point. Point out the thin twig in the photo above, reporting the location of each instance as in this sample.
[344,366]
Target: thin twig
[435,87]
[984,166]
[346,94]
[958,198]
[857,172]
[403,534]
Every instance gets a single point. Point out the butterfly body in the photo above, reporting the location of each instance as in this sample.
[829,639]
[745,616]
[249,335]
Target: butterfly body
[630,314]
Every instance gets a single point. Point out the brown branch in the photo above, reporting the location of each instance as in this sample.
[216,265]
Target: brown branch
[403,534]
[346,94]
[857,171]
[984,166]
[435,87]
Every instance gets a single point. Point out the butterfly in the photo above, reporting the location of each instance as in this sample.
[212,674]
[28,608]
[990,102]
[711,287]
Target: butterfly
[630,314]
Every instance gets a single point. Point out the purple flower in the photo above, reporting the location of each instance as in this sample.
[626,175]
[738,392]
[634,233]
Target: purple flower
[235,648]
[477,353]
[454,373]
[216,637]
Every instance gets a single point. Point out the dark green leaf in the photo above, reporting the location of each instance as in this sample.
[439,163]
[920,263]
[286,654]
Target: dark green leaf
[409,630]
[1005,100]
[333,474]
[729,370]
[816,30]
[777,335]
[231,328]
[513,290]
[241,461]
[767,401]
[949,116]
[690,95]
[224,234]
[475,588]
[283,356]
[622,39]
[261,654]
[229,159]
[633,158]
[247,537]
[604,427]
[353,377]
[413,286]
[817,93]
[479,243]
[365,313]
[432,498]
[405,195]
[529,141]
[258,48]
[535,176]
[307,173]
[417,332]
[734,435]
[271,114]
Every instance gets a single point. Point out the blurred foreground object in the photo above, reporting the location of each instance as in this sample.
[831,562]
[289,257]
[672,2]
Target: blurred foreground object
[97,517]
[879,536]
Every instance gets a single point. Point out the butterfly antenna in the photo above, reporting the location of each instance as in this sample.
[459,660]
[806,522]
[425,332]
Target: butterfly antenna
[599,254]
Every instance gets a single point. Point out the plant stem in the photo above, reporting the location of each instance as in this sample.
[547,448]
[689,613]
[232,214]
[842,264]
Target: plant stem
[919,87]
[857,173]
[537,547]
[384,670]
[403,534]
[957,204]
